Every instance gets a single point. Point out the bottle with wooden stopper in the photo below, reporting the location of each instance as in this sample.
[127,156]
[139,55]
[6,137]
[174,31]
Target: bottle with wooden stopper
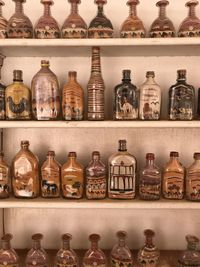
[8,256]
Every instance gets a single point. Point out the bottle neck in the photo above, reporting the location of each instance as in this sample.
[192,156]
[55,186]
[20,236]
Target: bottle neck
[192,11]
[96,62]
[72,160]
[122,242]
[174,159]
[100,9]
[25,147]
[66,245]
[19,7]
[72,78]
[47,10]
[192,246]
[50,158]
[1,13]
[181,80]
[150,79]
[36,244]
[6,245]
[149,242]
[162,12]
[150,162]
[74,8]
[94,245]
[133,10]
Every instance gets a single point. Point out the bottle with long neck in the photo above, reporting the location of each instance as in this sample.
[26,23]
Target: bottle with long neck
[2,92]
[4,177]
[8,256]
[3,22]
[47,27]
[19,25]
[66,256]
[96,89]
[18,99]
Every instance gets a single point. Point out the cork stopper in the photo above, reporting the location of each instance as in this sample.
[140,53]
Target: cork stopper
[192,239]
[72,155]
[94,238]
[150,74]
[66,237]
[25,144]
[20,1]
[127,75]
[37,237]
[150,156]
[72,74]
[162,3]
[96,155]
[49,2]
[133,2]
[197,155]
[192,3]
[121,234]
[122,145]
[45,63]
[181,74]
[7,237]
[51,154]
[100,2]
[174,154]
[18,75]
[74,1]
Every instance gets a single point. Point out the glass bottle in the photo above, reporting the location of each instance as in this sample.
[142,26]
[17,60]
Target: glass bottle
[74,26]
[133,27]
[50,171]
[73,99]
[162,26]
[3,23]
[173,178]
[94,256]
[181,99]
[121,254]
[47,27]
[72,178]
[149,255]
[193,180]
[191,256]
[19,25]
[190,27]
[150,180]
[66,257]
[100,26]
[2,93]
[18,99]
[4,177]
[36,256]
[198,108]
[126,99]
[150,98]
[25,173]
[8,256]
[122,174]
[96,183]
[46,103]
[96,88]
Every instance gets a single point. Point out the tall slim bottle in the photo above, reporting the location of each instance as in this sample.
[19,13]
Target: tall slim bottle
[96,89]
[4,177]
[2,93]
[8,256]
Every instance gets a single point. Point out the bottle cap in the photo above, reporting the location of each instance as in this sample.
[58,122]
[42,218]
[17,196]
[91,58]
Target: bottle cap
[150,156]
[25,142]
[121,234]
[149,233]
[72,155]
[7,237]
[174,154]
[132,2]
[94,237]
[122,145]
[192,3]
[50,2]
[37,237]
[197,155]
[181,74]
[96,154]
[45,63]
[74,1]
[126,74]
[51,153]
[150,74]
[100,2]
[18,75]
[162,3]
[72,73]
[66,237]
[192,239]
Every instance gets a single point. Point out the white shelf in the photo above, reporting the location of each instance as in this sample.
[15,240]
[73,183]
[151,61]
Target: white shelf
[100,124]
[110,47]
[41,203]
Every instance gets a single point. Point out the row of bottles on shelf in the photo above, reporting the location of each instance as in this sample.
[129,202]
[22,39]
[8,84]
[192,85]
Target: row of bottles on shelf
[70,180]
[20,26]
[44,101]
[120,256]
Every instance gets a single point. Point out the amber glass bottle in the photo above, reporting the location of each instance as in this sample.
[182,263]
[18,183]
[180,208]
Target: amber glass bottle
[4,177]
[2,93]
[3,23]
[18,99]
[73,99]
[50,185]
[72,178]
[8,256]
[25,173]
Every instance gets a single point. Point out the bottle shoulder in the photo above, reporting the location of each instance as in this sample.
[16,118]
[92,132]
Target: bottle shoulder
[28,155]
[174,166]
[124,86]
[68,166]
[181,86]
[17,86]
[119,157]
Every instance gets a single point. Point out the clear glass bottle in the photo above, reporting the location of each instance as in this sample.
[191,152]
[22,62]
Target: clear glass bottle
[190,27]
[96,89]
[133,27]
[193,179]
[173,178]
[126,97]
[150,98]
[181,99]
[3,23]
[19,25]
[73,99]
[96,182]
[191,256]
[18,99]
[72,175]
[162,26]
[121,254]
[47,27]
[8,256]
[46,102]
[150,180]
[2,92]
[25,173]
[66,257]
[149,255]
[4,177]
[122,174]
[94,256]
[74,26]
[50,184]
[36,256]
[100,26]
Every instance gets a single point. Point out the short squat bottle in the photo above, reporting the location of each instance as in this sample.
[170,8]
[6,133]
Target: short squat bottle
[4,177]
[96,182]
[36,256]
[150,180]
[18,99]
[150,98]
[126,98]
[121,254]
[25,173]
[181,99]
[121,174]
[72,178]
[173,178]
[94,256]
[66,256]
[73,99]
[193,180]
[8,256]
[50,185]
[2,92]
